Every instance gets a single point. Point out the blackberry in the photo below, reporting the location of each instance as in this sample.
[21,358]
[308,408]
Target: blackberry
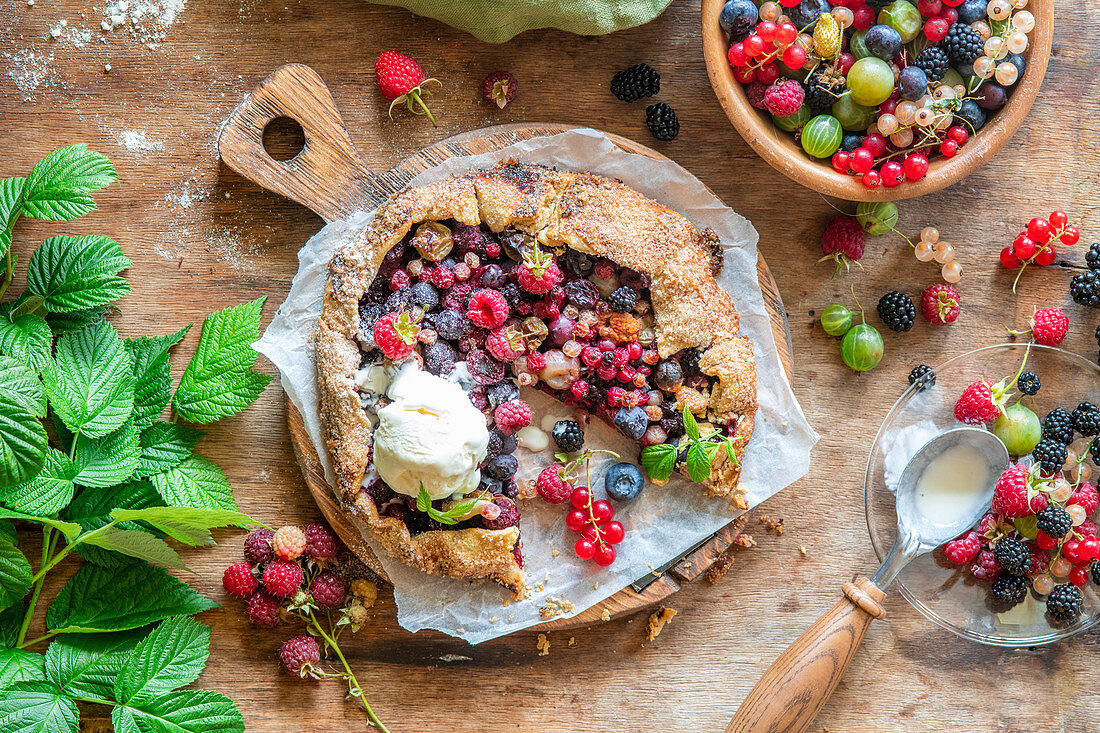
[439,358]
[504,467]
[823,89]
[1064,603]
[962,44]
[1050,454]
[1009,589]
[1092,257]
[689,361]
[1086,419]
[568,436]
[451,324]
[878,4]
[1094,451]
[1028,383]
[1012,555]
[1058,424]
[512,294]
[1096,573]
[641,80]
[933,62]
[897,311]
[924,375]
[623,300]
[662,121]
[1084,288]
[1054,521]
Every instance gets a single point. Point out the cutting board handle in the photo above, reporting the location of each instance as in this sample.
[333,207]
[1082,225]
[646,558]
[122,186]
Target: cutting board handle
[798,684]
[327,176]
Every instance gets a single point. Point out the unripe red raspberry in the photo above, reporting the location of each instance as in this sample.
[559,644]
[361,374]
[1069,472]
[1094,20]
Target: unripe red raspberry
[288,543]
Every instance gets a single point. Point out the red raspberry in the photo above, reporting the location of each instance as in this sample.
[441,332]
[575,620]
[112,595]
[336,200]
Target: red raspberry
[288,543]
[239,581]
[299,655]
[985,566]
[963,548]
[784,99]
[603,270]
[263,609]
[939,304]
[980,403]
[538,273]
[1049,326]
[321,543]
[755,92]
[487,308]
[552,486]
[1087,497]
[579,389]
[442,278]
[399,280]
[505,344]
[458,297]
[1087,528]
[1010,496]
[499,88]
[843,239]
[328,590]
[512,415]
[396,334]
[282,578]
[508,517]
[1040,560]
[536,362]
[257,546]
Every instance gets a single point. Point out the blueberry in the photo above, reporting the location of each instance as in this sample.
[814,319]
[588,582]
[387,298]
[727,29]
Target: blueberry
[883,41]
[501,393]
[451,324]
[851,142]
[577,264]
[493,277]
[912,82]
[807,12]
[439,358]
[425,296]
[501,468]
[970,116]
[624,482]
[990,96]
[632,421]
[668,375]
[738,18]
[972,10]
[399,299]
[582,293]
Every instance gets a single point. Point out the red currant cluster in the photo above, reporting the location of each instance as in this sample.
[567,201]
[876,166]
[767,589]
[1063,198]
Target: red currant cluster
[754,58]
[879,162]
[1035,245]
[599,532]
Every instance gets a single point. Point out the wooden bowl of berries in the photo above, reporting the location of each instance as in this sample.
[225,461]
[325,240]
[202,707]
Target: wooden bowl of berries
[877,100]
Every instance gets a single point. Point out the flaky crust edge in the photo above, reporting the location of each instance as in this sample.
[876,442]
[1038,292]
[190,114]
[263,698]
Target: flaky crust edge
[586,212]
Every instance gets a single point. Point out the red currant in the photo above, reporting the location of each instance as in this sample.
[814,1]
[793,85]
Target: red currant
[613,532]
[892,173]
[840,161]
[948,148]
[871,179]
[875,143]
[794,57]
[845,61]
[1045,541]
[576,520]
[929,8]
[953,3]
[1079,576]
[916,166]
[863,18]
[889,107]
[1045,256]
[737,56]
[935,29]
[1024,247]
[950,15]
[862,160]
[1070,550]
[585,548]
[1070,236]
[604,556]
[1038,229]
[958,134]
[1058,219]
[580,497]
[753,46]
[789,3]
[787,33]
[767,73]
[602,511]
[766,30]
[745,75]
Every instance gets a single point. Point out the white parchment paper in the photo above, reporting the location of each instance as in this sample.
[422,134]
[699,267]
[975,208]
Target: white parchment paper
[665,521]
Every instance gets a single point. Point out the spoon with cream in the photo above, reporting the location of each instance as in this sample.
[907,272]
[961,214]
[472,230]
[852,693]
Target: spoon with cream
[945,488]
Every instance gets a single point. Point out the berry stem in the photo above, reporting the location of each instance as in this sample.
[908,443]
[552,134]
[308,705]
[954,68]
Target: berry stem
[354,687]
[47,548]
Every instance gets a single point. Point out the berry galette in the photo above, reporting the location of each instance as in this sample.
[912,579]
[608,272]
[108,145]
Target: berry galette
[462,291]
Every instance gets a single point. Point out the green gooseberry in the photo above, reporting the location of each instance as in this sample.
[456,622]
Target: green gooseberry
[1027,526]
[1019,429]
[853,116]
[870,81]
[836,319]
[795,122]
[821,137]
[858,47]
[877,218]
[951,78]
[902,16]
[862,347]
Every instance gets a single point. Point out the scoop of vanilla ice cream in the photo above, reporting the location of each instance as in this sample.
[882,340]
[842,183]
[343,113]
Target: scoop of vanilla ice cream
[429,434]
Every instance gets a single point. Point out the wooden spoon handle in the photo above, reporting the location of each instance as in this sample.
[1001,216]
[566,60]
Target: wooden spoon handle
[795,688]
[327,176]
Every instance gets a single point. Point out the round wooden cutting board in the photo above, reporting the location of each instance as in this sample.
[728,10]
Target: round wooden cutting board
[328,176]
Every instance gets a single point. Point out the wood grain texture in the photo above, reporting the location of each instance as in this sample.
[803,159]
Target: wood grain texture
[785,154]
[201,237]
[313,177]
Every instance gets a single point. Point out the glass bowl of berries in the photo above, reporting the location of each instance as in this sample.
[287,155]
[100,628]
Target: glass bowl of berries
[876,100]
[1029,572]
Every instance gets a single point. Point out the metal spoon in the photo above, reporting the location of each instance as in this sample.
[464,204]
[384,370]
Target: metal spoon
[795,688]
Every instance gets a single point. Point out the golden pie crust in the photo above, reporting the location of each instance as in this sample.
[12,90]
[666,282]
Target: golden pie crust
[582,211]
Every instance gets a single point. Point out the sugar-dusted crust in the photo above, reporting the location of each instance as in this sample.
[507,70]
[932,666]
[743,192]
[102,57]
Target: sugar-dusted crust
[578,210]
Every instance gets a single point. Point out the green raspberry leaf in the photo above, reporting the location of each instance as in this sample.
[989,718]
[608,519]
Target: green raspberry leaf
[15,575]
[17,665]
[48,492]
[698,463]
[135,543]
[102,599]
[23,440]
[92,508]
[188,525]
[659,461]
[37,707]
[170,657]
[27,338]
[69,529]
[11,619]
[182,711]
[86,665]
[58,187]
[16,376]
[109,460]
[197,482]
[165,445]
[77,273]
[691,427]
[152,375]
[8,533]
[11,204]
[218,381]
[63,323]
[91,383]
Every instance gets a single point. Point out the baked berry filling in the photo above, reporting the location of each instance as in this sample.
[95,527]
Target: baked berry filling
[496,311]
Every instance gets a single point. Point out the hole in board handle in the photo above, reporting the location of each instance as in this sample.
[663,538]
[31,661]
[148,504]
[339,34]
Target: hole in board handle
[283,138]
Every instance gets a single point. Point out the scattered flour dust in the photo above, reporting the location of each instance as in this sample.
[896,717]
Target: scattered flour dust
[147,20]
[30,70]
[137,141]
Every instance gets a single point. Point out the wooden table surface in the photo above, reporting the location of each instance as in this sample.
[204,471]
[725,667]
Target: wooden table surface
[201,238]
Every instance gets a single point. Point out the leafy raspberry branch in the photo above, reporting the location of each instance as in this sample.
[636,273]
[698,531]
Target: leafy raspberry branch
[659,461]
